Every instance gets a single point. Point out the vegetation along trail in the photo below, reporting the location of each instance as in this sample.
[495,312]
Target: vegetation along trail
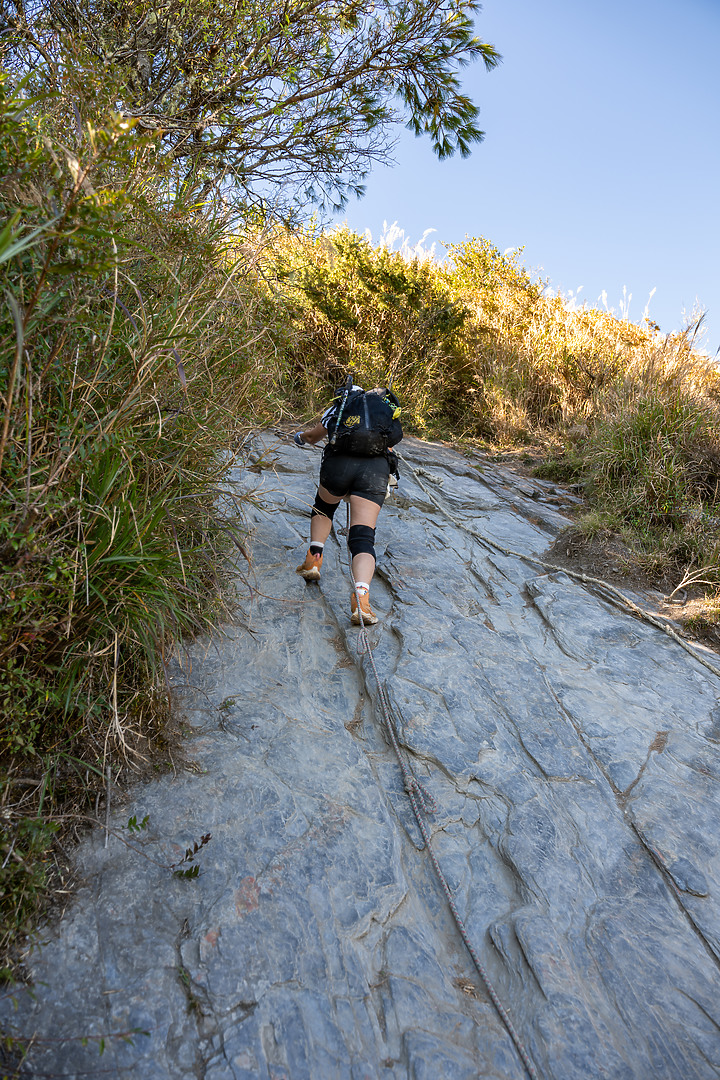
[571,749]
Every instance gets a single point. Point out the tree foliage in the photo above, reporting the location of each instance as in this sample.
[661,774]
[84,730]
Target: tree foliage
[281,100]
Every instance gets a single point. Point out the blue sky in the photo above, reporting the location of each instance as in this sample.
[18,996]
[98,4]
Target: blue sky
[601,155]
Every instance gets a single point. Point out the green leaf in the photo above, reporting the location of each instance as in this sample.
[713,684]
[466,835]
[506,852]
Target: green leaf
[9,250]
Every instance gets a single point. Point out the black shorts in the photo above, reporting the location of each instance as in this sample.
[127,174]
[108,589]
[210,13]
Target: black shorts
[341,474]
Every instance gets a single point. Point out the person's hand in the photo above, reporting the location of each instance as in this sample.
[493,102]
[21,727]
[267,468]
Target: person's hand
[299,439]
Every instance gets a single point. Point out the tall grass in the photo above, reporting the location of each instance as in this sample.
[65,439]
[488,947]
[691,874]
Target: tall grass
[132,332]
[632,414]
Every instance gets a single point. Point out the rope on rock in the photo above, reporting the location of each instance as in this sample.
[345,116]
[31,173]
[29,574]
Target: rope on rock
[615,596]
[423,803]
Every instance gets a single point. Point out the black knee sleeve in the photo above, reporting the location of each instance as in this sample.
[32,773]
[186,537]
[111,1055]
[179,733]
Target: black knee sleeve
[361,539]
[323,508]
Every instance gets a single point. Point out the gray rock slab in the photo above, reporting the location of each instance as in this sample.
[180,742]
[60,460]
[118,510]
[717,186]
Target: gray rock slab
[574,756]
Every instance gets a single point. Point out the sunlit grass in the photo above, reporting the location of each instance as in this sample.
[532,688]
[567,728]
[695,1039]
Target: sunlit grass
[478,350]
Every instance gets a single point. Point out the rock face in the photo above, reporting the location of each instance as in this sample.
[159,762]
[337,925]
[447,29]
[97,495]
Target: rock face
[574,755]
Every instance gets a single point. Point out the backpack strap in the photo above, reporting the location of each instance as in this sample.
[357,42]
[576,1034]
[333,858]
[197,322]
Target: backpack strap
[348,388]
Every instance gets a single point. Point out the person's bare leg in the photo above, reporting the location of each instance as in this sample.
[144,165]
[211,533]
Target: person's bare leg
[320,525]
[363,512]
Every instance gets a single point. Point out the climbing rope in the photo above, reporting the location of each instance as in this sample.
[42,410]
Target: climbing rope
[423,803]
[615,596]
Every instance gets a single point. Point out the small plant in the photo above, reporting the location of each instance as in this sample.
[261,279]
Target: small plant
[24,879]
[181,871]
[707,620]
[193,1002]
[17,1046]
[134,825]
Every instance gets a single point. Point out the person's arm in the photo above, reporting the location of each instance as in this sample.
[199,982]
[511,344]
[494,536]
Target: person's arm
[312,435]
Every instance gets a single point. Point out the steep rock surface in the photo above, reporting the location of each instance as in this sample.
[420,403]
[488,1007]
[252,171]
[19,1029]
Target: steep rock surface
[574,756]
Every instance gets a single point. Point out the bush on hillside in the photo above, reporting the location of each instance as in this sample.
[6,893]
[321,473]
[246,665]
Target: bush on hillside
[389,319]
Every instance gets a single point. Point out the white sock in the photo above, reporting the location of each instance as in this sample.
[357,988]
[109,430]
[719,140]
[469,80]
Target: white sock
[316,544]
[362,586]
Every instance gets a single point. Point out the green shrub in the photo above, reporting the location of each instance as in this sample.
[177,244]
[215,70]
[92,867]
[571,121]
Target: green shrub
[370,310]
[23,877]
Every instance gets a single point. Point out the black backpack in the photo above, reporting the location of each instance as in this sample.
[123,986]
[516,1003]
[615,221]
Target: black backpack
[368,423]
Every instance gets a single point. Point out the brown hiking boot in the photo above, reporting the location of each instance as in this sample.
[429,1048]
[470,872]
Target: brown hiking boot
[368,615]
[310,569]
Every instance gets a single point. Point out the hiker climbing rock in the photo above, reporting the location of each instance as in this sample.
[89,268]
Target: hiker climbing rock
[362,427]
